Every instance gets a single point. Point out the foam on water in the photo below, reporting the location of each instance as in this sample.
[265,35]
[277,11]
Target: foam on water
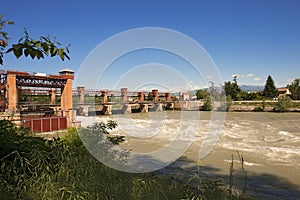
[245,162]
[273,141]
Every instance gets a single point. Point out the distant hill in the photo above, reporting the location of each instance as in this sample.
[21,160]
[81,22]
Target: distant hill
[246,88]
[252,88]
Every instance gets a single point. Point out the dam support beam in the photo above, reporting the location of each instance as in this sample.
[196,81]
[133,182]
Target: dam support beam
[107,109]
[144,108]
[126,109]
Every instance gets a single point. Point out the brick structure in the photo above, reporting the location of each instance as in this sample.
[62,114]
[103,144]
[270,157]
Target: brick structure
[155,95]
[52,94]
[12,92]
[104,96]
[81,93]
[168,96]
[141,96]
[124,95]
[66,93]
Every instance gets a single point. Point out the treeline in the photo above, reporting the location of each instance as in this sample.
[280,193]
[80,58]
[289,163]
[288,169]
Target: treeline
[234,91]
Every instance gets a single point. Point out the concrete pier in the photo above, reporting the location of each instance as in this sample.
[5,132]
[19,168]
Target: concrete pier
[107,109]
[144,108]
[126,109]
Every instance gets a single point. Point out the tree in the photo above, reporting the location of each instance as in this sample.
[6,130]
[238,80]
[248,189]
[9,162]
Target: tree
[207,106]
[3,37]
[295,89]
[270,90]
[232,89]
[201,94]
[26,45]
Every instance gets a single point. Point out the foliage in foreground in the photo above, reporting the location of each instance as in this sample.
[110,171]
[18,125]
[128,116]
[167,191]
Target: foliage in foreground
[27,46]
[35,168]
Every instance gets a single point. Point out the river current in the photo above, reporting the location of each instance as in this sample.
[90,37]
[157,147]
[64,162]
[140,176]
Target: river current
[268,142]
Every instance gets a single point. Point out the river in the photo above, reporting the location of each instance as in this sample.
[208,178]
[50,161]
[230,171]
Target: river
[269,143]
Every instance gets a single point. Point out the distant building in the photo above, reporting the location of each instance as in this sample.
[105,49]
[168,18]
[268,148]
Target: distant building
[184,96]
[284,91]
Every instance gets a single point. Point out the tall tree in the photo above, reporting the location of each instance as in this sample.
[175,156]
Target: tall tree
[270,90]
[295,89]
[232,89]
[201,94]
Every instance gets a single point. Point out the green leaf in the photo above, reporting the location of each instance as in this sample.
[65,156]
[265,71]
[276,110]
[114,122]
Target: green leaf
[18,52]
[20,40]
[45,48]
[17,46]
[26,52]
[53,51]
[32,53]
[61,53]
[66,56]
[45,39]
[39,54]
[67,48]
[38,44]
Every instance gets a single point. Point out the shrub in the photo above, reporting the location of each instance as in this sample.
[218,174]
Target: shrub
[258,109]
[283,104]
[207,106]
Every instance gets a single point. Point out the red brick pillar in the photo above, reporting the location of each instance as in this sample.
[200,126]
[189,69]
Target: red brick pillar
[124,94]
[168,96]
[141,96]
[66,96]
[12,92]
[81,93]
[104,96]
[52,94]
[155,95]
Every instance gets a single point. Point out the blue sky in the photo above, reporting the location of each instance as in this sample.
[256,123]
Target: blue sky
[252,39]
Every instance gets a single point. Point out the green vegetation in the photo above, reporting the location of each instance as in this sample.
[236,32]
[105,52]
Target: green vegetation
[295,89]
[62,168]
[3,37]
[27,46]
[207,106]
[232,89]
[201,94]
[270,90]
[283,104]
[228,103]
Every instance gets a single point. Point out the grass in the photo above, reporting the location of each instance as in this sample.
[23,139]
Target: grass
[35,168]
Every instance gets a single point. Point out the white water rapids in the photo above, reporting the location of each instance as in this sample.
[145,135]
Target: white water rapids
[269,143]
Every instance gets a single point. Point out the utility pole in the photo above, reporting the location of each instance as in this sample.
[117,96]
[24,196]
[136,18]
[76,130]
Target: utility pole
[212,91]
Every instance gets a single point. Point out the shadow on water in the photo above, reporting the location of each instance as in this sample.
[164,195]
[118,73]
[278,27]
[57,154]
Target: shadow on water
[260,186]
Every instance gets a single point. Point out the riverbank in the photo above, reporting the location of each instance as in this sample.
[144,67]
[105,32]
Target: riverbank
[261,106]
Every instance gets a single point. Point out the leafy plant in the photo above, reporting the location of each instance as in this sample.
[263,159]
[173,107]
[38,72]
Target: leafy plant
[40,48]
[207,106]
[3,37]
[283,104]
[27,46]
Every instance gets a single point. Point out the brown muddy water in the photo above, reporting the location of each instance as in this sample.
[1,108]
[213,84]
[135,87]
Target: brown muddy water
[268,142]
